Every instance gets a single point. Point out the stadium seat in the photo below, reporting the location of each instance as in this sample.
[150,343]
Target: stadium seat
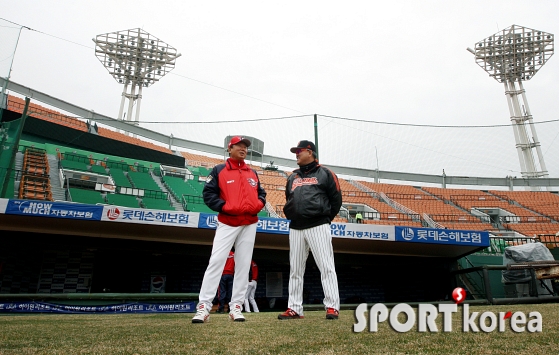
[98,169]
[141,180]
[123,200]
[119,178]
[91,197]
[73,165]
[156,204]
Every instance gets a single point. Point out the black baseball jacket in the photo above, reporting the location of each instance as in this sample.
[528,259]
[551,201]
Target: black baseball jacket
[313,196]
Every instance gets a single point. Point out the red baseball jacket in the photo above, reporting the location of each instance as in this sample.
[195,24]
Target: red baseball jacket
[253,272]
[233,189]
[229,268]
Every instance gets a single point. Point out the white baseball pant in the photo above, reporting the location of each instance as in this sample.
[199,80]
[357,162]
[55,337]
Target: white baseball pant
[319,240]
[225,238]
[249,298]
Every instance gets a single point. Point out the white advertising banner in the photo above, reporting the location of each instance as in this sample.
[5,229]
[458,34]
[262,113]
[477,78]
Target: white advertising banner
[145,216]
[363,231]
[3,204]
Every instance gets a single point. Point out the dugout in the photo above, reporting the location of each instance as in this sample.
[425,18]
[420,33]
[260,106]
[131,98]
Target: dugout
[57,259]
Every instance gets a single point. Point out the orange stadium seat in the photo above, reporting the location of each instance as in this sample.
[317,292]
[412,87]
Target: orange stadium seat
[17,105]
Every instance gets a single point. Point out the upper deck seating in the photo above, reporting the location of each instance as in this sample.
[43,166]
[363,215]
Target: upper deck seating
[156,204]
[119,178]
[91,197]
[142,180]
[123,200]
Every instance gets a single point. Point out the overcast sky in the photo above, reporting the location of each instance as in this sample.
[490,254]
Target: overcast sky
[393,61]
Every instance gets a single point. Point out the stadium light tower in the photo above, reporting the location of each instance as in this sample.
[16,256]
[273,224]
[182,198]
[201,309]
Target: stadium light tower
[136,59]
[512,56]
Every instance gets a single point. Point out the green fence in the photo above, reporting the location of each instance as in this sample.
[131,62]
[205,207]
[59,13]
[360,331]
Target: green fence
[10,133]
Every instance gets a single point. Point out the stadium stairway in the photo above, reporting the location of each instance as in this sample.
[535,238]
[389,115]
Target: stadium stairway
[58,192]
[176,205]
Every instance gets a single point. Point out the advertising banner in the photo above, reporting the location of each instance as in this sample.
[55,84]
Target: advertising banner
[442,236]
[265,225]
[42,307]
[362,231]
[54,209]
[3,205]
[144,216]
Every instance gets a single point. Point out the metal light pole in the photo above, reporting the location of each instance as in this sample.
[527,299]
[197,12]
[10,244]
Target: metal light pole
[512,56]
[135,59]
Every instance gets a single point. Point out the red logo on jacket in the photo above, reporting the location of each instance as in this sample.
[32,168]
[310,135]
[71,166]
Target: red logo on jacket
[303,181]
[252,182]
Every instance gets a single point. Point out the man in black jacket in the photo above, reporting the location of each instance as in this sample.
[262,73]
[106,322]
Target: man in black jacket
[313,199]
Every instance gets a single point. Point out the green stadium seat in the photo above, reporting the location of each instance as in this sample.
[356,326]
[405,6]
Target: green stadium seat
[119,178]
[179,187]
[196,186]
[157,204]
[98,169]
[199,207]
[123,200]
[91,197]
[143,181]
[76,157]
[112,164]
[73,165]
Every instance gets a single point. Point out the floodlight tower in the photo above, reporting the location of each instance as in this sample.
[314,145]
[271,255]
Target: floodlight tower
[137,59]
[512,56]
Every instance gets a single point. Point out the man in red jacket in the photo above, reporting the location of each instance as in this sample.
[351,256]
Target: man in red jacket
[233,190]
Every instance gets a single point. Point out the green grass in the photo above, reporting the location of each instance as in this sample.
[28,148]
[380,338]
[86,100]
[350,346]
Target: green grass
[262,333]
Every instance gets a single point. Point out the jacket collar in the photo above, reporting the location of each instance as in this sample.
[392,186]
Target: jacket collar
[236,165]
[305,169]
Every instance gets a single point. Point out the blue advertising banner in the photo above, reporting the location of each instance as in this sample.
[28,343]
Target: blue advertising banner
[273,225]
[207,221]
[54,209]
[442,236]
[41,307]
[265,225]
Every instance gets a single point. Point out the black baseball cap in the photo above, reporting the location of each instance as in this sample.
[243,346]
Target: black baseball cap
[304,145]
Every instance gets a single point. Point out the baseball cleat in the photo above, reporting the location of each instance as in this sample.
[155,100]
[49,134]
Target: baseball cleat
[290,314]
[332,313]
[236,314]
[202,314]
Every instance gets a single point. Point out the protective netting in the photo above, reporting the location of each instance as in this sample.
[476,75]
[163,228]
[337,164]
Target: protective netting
[484,151]
[8,42]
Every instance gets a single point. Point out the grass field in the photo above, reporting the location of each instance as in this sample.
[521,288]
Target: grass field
[262,333]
